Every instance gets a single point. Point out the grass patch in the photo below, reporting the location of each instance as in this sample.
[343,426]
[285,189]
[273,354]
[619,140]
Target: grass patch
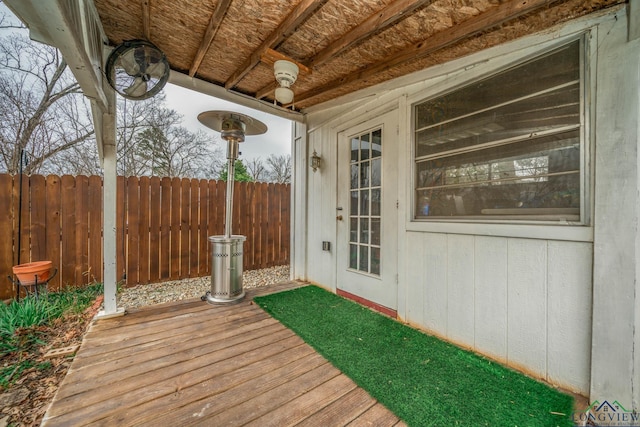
[20,322]
[423,380]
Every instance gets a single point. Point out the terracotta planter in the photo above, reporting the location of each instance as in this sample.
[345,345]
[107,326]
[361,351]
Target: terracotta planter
[27,273]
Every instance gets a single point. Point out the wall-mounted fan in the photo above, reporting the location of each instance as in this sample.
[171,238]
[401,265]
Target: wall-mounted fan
[137,69]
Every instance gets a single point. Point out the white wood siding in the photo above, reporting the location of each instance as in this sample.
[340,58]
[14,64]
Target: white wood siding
[524,302]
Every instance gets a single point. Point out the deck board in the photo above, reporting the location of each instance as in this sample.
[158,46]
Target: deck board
[191,363]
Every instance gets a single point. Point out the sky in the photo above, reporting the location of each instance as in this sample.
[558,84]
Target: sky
[188,103]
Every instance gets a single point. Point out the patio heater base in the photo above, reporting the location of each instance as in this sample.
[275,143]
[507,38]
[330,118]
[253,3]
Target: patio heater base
[226,270]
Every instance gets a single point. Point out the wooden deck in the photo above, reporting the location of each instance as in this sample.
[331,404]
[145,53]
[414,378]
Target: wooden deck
[191,363]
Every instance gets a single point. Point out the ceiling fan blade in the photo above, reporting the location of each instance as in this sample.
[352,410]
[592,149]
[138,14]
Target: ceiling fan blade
[137,89]
[156,70]
[129,64]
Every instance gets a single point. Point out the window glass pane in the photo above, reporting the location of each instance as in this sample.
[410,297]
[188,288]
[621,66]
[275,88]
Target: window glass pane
[354,203]
[364,147]
[375,202]
[354,176]
[375,231]
[376,172]
[544,112]
[364,259]
[353,229]
[509,146]
[364,202]
[551,70]
[364,230]
[538,177]
[355,149]
[376,143]
[375,260]
[353,256]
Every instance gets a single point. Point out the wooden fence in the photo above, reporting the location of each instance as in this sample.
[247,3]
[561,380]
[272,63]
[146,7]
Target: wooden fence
[162,230]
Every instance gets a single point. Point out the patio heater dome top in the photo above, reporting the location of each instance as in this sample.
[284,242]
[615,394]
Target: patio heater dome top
[230,123]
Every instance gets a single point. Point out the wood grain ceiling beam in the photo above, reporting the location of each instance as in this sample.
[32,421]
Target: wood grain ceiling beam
[375,23]
[146,19]
[485,21]
[214,24]
[297,17]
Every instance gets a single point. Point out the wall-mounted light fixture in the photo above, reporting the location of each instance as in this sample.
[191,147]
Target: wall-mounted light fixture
[315,161]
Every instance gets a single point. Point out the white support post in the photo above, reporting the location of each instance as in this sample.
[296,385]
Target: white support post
[109,201]
[299,153]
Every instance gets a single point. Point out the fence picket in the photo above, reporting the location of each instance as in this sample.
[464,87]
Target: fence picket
[155,209]
[82,231]
[143,271]
[38,218]
[176,185]
[194,235]
[68,212]
[165,229]
[54,227]
[94,206]
[202,227]
[6,229]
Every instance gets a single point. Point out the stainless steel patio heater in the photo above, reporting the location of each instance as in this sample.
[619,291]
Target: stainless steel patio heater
[226,251]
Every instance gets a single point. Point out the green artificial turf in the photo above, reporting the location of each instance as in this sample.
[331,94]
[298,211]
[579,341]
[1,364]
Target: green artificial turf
[423,380]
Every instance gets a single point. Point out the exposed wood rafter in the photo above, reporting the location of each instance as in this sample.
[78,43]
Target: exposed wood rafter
[375,23]
[146,19]
[510,10]
[214,24]
[297,17]
[270,56]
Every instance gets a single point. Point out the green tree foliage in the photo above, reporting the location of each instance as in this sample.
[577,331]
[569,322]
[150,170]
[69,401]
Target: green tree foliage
[240,173]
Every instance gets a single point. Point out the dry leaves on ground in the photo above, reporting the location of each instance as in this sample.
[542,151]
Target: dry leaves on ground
[25,402]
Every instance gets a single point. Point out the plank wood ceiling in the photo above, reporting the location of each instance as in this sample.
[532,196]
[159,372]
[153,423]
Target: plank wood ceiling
[341,45]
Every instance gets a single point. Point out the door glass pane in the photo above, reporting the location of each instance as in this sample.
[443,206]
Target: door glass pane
[353,256]
[375,231]
[376,143]
[364,258]
[364,202]
[355,149]
[376,172]
[364,147]
[375,260]
[375,202]
[364,230]
[364,174]
[354,202]
[365,186]
[354,176]
[353,230]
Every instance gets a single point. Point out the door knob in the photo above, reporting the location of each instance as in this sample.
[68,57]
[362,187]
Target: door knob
[339,217]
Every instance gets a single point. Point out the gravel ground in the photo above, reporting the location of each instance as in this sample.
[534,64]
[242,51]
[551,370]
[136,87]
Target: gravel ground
[159,293]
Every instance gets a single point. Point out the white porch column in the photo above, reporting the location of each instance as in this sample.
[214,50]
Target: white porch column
[108,143]
[299,224]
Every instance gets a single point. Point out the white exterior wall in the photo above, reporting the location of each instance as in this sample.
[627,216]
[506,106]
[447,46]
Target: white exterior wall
[523,302]
[522,294]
